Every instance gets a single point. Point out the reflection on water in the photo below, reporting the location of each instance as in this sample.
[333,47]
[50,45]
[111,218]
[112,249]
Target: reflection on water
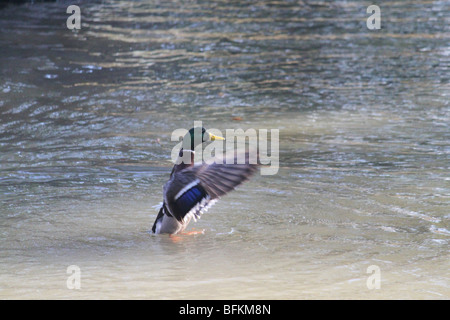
[85,124]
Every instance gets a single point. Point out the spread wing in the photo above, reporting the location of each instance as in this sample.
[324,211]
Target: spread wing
[191,191]
[219,179]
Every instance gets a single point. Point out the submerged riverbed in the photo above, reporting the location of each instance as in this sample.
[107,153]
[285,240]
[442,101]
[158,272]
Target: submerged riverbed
[86,118]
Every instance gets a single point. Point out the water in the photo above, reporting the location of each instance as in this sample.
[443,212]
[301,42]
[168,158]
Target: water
[85,124]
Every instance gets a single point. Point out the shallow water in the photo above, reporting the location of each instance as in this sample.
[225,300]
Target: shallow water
[85,123]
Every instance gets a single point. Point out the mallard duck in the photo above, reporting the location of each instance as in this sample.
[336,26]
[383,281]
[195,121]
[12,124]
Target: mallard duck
[193,189]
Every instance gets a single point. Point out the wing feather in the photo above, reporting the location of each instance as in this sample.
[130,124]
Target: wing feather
[221,178]
[192,190]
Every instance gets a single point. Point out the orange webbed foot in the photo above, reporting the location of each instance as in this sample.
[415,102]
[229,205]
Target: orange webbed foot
[194,232]
[179,236]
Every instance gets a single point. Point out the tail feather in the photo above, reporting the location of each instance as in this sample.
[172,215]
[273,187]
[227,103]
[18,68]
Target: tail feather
[158,220]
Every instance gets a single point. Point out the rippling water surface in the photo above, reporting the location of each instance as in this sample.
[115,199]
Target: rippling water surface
[85,125]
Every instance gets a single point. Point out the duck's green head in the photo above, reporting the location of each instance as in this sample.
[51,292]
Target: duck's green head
[196,136]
